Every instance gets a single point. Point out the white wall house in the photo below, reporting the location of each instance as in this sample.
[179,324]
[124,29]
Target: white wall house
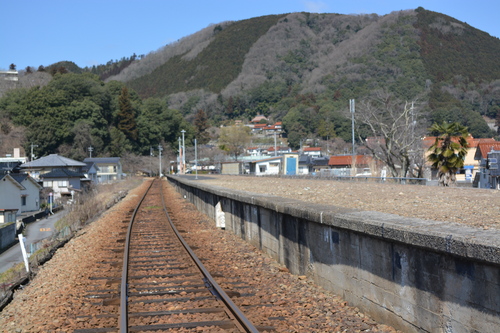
[10,194]
[30,196]
[268,166]
[109,168]
[312,151]
[64,182]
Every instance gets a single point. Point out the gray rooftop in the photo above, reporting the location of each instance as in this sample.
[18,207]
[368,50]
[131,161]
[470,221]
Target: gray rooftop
[62,173]
[53,160]
[107,160]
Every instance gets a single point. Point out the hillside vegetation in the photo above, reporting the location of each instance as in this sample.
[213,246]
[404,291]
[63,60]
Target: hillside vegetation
[310,65]
[299,68]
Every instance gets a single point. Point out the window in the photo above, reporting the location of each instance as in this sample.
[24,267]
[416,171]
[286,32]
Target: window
[62,183]
[23,200]
[47,183]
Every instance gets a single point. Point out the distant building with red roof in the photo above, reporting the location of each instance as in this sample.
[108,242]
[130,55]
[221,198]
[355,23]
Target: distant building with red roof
[312,151]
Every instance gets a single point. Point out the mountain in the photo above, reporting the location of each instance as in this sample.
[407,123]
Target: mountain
[298,68]
[273,63]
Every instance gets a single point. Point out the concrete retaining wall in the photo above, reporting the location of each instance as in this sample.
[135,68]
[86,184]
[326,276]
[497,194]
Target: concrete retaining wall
[7,236]
[412,274]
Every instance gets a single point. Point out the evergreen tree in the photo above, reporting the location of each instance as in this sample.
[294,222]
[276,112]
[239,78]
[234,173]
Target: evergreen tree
[201,126]
[126,116]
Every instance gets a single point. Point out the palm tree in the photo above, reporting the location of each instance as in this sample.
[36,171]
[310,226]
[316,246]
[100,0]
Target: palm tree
[448,152]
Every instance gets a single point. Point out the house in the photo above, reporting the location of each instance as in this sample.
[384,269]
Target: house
[319,163]
[90,171]
[267,166]
[271,130]
[488,155]
[312,151]
[65,182]
[10,167]
[30,195]
[471,164]
[46,164]
[258,128]
[109,168]
[254,151]
[10,197]
[305,164]
[344,166]
[11,163]
[278,151]
[257,119]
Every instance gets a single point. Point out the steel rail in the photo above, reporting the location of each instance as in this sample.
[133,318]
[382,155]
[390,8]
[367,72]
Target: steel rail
[123,320]
[231,309]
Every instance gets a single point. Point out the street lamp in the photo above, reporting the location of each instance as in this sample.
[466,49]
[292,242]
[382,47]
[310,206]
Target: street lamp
[183,153]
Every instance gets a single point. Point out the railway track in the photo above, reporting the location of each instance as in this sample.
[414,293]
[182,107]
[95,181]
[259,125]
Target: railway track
[163,286]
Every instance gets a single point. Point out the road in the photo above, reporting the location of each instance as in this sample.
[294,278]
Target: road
[34,232]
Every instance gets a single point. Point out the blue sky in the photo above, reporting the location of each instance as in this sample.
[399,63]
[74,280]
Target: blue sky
[92,32]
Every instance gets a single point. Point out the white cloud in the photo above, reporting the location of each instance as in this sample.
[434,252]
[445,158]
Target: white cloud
[315,6]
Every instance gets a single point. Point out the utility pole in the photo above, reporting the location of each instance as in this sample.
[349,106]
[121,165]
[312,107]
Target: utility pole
[90,151]
[180,156]
[183,153]
[275,148]
[195,159]
[352,109]
[32,155]
[160,148]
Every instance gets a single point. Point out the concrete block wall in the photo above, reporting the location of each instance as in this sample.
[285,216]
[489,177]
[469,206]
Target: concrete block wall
[412,274]
[7,236]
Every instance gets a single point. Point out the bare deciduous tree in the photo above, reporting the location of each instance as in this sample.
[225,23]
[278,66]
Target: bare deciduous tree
[397,129]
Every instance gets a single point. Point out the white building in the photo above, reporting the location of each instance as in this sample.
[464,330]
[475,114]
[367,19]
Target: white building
[30,195]
[267,166]
[10,196]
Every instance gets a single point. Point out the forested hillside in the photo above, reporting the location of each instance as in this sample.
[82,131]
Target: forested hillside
[76,111]
[303,68]
[299,68]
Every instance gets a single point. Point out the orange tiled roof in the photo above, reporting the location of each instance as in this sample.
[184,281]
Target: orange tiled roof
[277,148]
[476,142]
[429,141]
[312,149]
[485,147]
[346,160]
